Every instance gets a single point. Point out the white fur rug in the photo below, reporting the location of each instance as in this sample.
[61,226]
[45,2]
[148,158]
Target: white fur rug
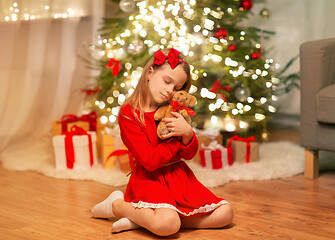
[277,160]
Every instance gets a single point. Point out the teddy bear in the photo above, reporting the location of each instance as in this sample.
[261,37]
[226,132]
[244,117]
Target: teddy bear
[181,101]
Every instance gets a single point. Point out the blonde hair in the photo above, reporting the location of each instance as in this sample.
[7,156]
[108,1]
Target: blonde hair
[138,98]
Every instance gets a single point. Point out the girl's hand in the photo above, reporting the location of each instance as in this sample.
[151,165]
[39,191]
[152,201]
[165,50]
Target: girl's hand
[178,126]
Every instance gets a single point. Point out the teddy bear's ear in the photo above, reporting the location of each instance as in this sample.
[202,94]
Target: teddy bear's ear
[176,95]
[193,101]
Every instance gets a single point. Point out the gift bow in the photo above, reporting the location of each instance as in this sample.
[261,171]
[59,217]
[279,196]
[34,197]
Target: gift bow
[247,140]
[69,149]
[214,145]
[175,106]
[91,118]
[172,58]
[208,132]
[121,152]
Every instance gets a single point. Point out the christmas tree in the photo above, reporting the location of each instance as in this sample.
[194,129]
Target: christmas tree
[232,79]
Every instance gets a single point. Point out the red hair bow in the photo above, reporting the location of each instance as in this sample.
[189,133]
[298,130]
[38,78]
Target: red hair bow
[172,58]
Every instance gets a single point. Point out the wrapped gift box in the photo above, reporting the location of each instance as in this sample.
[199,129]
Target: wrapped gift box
[205,137]
[57,127]
[124,161]
[88,122]
[245,150]
[216,158]
[82,154]
[110,143]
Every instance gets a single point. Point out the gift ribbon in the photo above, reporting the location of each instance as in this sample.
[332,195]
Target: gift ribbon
[213,147]
[230,156]
[175,106]
[69,149]
[247,140]
[91,118]
[121,152]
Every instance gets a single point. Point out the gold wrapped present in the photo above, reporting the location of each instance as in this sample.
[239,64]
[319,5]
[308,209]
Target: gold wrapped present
[111,143]
[57,127]
[88,122]
[125,160]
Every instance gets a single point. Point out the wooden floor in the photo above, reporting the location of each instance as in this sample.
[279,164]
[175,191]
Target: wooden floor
[33,206]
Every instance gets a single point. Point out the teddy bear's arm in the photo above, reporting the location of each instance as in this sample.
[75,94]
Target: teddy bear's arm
[184,113]
[160,113]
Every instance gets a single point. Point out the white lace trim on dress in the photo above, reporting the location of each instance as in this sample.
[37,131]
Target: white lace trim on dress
[203,209]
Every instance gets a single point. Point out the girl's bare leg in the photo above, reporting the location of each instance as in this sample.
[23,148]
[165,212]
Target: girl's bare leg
[161,221]
[219,218]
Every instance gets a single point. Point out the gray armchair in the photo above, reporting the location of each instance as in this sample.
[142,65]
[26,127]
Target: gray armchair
[317,116]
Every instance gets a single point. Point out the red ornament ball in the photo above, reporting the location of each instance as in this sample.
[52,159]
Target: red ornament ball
[246,4]
[221,33]
[231,48]
[255,55]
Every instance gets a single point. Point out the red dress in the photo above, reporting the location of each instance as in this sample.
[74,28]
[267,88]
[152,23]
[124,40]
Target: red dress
[160,179]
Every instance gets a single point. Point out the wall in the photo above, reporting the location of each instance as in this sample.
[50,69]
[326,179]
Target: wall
[294,23]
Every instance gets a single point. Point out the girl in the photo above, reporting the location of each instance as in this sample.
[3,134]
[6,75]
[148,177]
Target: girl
[162,194]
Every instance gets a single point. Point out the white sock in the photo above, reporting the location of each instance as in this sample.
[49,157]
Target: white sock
[104,209]
[123,224]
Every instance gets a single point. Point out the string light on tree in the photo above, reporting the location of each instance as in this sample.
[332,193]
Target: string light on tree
[227,61]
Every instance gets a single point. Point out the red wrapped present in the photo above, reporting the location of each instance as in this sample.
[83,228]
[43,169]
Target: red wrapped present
[110,142]
[215,156]
[205,137]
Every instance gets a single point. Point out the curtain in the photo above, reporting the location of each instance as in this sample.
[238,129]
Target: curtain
[41,75]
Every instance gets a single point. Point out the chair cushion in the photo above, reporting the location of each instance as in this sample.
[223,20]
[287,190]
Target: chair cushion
[325,105]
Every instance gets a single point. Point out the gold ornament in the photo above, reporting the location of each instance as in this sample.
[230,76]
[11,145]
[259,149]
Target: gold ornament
[265,13]
[127,5]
